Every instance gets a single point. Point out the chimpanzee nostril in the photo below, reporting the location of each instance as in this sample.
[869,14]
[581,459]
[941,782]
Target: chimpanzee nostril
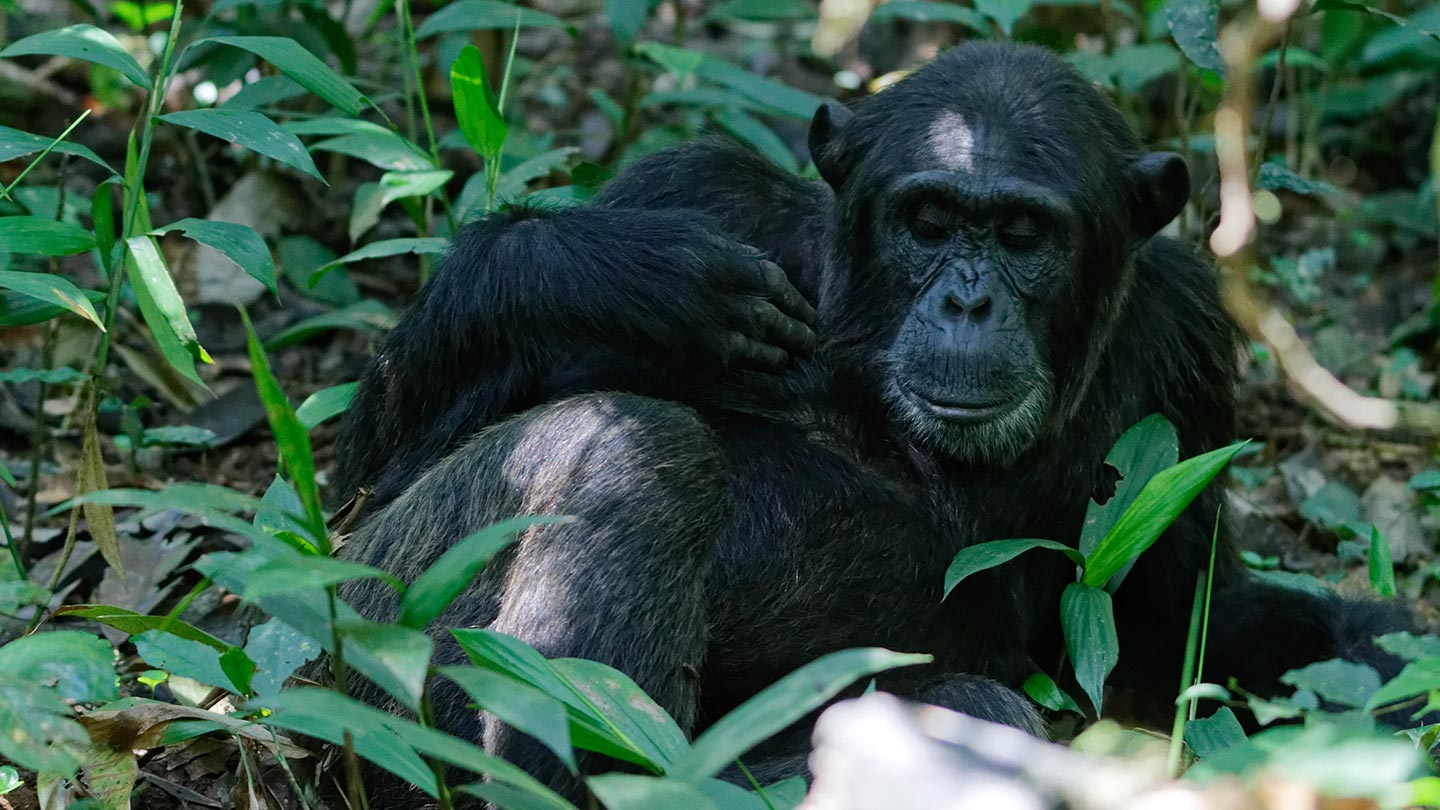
[975,305]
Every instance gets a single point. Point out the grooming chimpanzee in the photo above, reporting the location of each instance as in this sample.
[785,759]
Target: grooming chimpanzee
[994,310]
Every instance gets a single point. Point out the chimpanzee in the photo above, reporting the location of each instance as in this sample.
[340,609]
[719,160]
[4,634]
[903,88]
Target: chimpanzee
[758,482]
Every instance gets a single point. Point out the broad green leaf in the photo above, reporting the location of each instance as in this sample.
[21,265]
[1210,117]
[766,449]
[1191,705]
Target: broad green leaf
[15,143]
[513,182]
[1417,678]
[926,12]
[1145,449]
[392,742]
[84,42]
[680,61]
[41,734]
[1162,500]
[310,572]
[396,659]
[519,705]
[781,704]
[1005,13]
[277,650]
[251,130]
[1134,66]
[386,150]
[1088,620]
[128,621]
[18,309]
[43,236]
[63,375]
[1409,646]
[195,660]
[80,667]
[1275,176]
[476,15]
[56,290]
[750,130]
[1194,24]
[385,247]
[984,556]
[626,18]
[368,314]
[632,716]
[777,97]
[763,10]
[325,404]
[1043,690]
[1382,565]
[1213,735]
[290,435]
[624,791]
[290,58]
[240,244]
[433,591]
[165,313]
[591,728]
[476,108]
[1336,680]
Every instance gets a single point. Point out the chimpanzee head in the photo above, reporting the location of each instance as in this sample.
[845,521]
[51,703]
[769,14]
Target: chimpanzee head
[989,207]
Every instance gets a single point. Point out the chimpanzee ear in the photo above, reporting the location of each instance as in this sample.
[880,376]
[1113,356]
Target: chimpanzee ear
[825,142]
[1162,187]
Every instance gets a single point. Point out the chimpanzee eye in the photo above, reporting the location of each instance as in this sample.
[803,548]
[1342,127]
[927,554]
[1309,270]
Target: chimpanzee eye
[1020,231]
[928,222]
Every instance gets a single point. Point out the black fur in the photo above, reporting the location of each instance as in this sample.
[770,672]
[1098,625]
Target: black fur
[736,522]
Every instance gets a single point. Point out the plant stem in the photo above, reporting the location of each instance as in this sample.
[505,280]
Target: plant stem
[354,788]
[1176,763]
[492,167]
[1269,119]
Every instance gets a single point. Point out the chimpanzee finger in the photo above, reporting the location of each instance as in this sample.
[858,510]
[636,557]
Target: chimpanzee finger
[782,330]
[784,294]
[740,350]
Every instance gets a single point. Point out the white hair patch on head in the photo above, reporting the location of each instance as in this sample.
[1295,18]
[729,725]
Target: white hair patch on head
[952,141]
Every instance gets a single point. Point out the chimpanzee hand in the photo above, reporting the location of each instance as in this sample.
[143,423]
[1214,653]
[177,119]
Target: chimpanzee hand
[750,314]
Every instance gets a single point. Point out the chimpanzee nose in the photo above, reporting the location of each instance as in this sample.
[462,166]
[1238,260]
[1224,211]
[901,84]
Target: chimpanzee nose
[974,304]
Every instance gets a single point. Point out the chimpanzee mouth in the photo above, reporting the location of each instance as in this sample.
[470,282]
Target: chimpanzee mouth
[960,412]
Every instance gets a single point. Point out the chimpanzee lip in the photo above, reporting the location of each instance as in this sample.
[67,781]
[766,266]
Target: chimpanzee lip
[959,411]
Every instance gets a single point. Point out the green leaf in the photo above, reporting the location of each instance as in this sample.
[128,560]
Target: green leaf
[623,791]
[1159,503]
[15,143]
[433,591]
[1382,565]
[476,107]
[240,244]
[1336,680]
[1417,678]
[396,659]
[277,650]
[513,182]
[166,312]
[781,704]
[128,621]
[680,61]
[1088,620]
[1043,690]
[984,556]
[290,58]
[43,236]
[777,97]
[763,11]
[1276,176]
[80,667]
[40,734]
[1194,24]
[368,314]
[477,15]
[63,375]
[1005,13]
[1133,66]
[750,130]
[648,741]
[385,247]
[1425,481]
[251,130]
[84,42]
[1409,646]
[1145,449]
[51,289]
[519,705]
[1213,735]
[290,435]
[933,12]
[385,149]
[195,660]
[325,404]
[308,573]
[626,18]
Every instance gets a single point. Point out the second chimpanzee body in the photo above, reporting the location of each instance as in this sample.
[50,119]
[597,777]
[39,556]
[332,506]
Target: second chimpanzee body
[994,310]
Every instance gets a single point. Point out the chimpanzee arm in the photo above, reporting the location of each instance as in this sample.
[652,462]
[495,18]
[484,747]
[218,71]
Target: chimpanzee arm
[529,305]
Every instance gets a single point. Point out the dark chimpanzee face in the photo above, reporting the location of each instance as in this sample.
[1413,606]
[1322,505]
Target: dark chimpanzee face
[990,210]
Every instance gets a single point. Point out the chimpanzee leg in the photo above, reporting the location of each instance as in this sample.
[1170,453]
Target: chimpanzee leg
[624,585]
